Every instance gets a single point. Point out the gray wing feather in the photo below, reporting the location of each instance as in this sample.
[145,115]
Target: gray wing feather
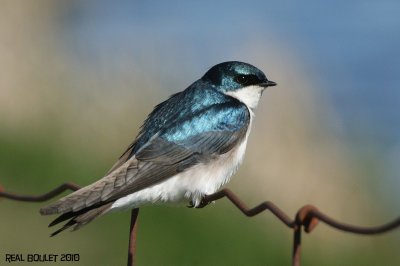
[162,164]
[148,167]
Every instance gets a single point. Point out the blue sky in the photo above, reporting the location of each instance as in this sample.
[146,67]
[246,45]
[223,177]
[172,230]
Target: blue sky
[351,46]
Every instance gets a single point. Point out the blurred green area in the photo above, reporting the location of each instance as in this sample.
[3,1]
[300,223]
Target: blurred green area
[62,120]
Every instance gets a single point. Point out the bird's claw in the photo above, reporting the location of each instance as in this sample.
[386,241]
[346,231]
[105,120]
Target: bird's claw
[203,203]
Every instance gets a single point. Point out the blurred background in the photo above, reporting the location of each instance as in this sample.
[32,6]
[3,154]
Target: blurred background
[77,78]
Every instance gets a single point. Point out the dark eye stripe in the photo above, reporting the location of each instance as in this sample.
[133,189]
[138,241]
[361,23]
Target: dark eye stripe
[242,79]
[247,79]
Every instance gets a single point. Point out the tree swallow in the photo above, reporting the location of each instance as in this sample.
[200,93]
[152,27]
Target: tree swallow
[188,147]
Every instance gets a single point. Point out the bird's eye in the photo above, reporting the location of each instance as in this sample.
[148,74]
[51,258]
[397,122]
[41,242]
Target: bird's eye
[242,79]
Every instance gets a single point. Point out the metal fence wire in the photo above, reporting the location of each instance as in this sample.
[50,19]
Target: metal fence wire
[306,217]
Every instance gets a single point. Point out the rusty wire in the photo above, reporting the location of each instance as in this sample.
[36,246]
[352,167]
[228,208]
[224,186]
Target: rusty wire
[306,217]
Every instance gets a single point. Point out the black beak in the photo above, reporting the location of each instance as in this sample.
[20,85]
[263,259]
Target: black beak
[267,83]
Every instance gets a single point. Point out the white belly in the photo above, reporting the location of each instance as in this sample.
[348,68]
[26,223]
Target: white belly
[190,185]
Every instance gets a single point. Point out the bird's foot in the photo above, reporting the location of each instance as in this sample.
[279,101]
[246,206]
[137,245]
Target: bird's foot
[203,203]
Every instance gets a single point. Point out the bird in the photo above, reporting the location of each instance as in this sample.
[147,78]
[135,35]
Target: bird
[189,146]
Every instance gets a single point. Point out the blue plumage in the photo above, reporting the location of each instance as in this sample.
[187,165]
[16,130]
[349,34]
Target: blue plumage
[179,107]
[205,92]
[225,117]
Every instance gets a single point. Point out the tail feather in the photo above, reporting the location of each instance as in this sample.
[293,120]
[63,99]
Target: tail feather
[72,214]
[65,226]
[80,218]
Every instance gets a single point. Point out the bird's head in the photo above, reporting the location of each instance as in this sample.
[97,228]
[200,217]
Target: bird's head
[239,80]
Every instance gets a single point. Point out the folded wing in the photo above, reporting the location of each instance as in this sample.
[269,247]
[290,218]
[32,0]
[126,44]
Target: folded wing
[192,140]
